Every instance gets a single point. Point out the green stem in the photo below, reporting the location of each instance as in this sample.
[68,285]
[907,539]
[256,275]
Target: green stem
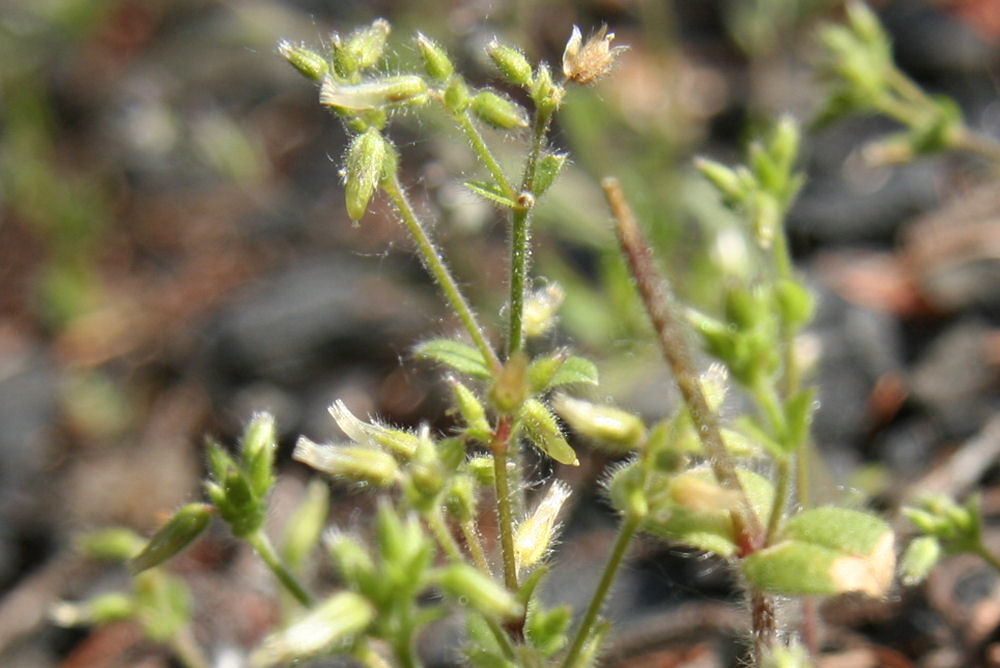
[520,235]
[484,154]
[260,542]
[625,534]
[439,271]
[499,446]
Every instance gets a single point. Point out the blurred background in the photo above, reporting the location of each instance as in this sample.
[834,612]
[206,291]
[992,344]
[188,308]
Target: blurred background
[175,255]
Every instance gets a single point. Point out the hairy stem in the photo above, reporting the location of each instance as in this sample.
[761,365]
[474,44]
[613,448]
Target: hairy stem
[658,300]
[625,534]
[499,446]
[260,542]
[434,263]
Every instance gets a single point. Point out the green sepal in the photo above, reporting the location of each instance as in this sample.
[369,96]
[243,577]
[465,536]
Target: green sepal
[238,506]
[459,356]
[542,429]
[179,531]
[492,192]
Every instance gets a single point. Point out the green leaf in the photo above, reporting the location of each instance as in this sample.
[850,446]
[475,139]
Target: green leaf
[827,551]
[492,192]
[459,356]
[575,370]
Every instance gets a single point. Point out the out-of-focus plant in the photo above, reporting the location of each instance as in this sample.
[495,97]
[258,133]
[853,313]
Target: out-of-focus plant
[863,79]
[734,487]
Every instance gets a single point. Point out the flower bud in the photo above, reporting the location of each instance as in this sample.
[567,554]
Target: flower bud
[534,536]
[586,63]
[354,463]
[113,544]
[363,171]
[477,590]
[540,310]
[542,429]
[309,63]
[461,499]
[374,94]
[545,93]
[456,96]
[401,443]
[922,554]
[784,143]
[103,609]
[351,558]
[185,525]
[472,411]
[606,425]
[511,63]
[338,619]
[723,178]
[304,528]
[498,111]
[481,468]
[362,49]
[258,447]
[436,60]
[510,388]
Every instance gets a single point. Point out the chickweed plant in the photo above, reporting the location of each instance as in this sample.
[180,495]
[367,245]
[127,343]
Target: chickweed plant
[737,488]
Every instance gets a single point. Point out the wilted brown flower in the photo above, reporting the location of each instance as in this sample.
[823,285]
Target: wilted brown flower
[586,63]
